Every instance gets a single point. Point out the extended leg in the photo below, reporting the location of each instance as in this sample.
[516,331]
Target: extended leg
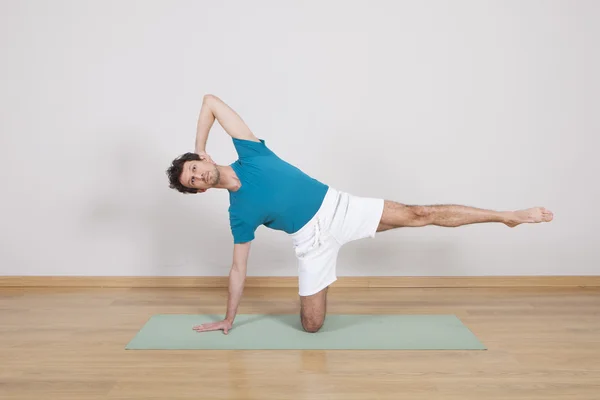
[312,310]
[400,215]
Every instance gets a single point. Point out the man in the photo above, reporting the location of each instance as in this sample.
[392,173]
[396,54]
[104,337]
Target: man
[266,190]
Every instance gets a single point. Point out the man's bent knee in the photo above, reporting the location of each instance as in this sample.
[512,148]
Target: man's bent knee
[311,326]
[313,309]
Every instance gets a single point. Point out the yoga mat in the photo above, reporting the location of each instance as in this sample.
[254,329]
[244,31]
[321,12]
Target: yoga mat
[284,331]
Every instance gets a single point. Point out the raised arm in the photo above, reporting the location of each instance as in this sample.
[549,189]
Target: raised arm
[214,108]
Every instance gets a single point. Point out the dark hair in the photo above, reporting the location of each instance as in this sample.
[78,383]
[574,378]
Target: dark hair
[175,170]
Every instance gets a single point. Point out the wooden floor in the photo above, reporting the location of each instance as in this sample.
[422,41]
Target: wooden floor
[543,343]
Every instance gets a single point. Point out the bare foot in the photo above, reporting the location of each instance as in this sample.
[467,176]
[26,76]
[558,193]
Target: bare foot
[529,216]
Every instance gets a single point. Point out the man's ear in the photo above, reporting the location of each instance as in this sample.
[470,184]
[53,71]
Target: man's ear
[201,190]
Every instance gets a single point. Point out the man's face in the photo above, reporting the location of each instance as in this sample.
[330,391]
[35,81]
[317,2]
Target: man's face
[200,175]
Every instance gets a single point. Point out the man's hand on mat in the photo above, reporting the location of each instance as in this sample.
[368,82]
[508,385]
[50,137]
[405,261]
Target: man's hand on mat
[224,325]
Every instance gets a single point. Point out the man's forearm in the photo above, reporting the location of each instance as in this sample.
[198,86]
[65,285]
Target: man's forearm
[205,122]
[237,278]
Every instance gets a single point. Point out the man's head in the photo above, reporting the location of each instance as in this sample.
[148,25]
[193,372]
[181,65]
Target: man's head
[189,174]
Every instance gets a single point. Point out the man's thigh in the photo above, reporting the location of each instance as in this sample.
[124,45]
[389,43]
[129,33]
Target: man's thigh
[313,309]
[357,217]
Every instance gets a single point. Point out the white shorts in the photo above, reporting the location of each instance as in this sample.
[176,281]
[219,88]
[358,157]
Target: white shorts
[341,218]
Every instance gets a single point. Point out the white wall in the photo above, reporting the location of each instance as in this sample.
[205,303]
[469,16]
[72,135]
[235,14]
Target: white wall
[490,104]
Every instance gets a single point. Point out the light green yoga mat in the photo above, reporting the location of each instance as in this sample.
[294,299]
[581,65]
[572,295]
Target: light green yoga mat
[284,331]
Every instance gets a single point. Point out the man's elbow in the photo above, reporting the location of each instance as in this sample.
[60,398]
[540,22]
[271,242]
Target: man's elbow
[209,98]
[238,274]
[239,266]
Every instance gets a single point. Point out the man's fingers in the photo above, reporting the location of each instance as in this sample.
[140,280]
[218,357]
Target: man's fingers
[211,327]
[201,327]
[206,327]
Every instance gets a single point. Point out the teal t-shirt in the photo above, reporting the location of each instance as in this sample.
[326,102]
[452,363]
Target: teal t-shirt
[274,193]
